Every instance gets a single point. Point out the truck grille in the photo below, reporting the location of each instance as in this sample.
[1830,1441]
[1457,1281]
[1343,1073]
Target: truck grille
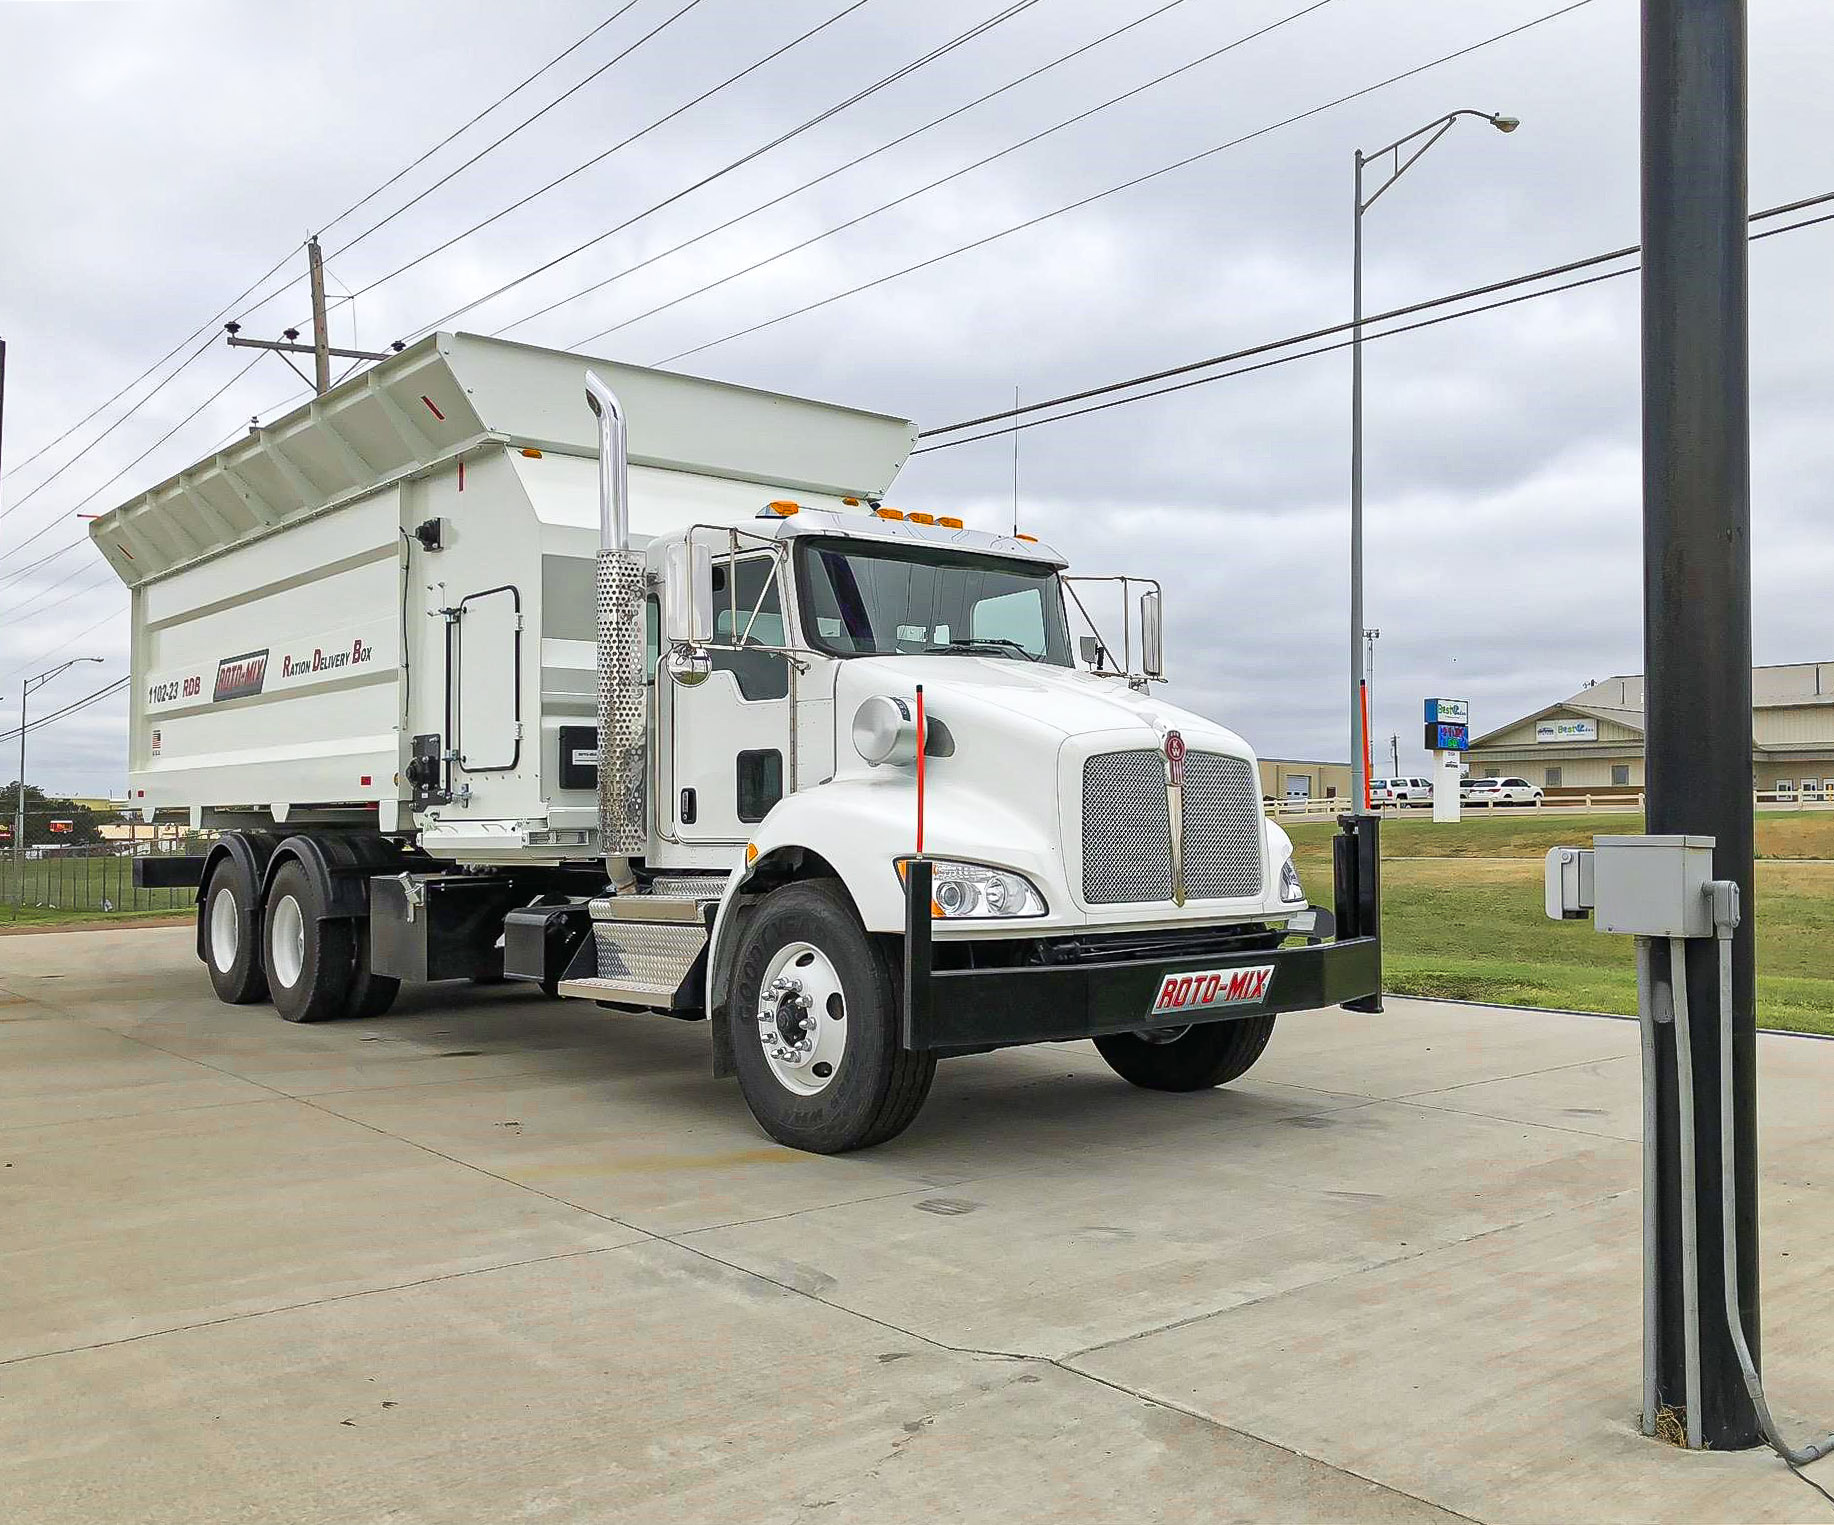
[1127,833]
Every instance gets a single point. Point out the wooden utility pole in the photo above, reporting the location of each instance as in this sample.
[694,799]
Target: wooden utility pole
[321,348]
[321,325]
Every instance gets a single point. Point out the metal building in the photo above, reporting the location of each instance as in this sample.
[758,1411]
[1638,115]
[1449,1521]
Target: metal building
[1592,741]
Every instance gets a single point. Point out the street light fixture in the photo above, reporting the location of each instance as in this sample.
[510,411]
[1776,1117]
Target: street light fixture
[26,689]
[1432,132]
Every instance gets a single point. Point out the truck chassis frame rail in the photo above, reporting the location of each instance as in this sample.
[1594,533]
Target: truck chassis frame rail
[981,1008]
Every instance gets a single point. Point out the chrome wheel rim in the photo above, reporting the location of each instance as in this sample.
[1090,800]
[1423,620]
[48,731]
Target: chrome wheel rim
[286,941]
[225,930]
[802,1019]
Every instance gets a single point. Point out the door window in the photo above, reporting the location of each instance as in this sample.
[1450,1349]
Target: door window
[1620,773]
[750,615]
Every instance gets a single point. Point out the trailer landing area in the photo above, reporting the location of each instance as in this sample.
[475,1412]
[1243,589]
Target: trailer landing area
[490,1257]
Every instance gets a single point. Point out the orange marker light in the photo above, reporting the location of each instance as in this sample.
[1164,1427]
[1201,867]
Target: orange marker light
[889,513]
[851,502]
[531,452]
[1031,539]
[783,506]
[751,854]
[921,518]
[950,524]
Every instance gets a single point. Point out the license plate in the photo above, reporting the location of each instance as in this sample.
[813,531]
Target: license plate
[1207,989]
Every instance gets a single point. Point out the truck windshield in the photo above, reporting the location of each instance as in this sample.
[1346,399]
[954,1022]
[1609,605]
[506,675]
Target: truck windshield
[859,598]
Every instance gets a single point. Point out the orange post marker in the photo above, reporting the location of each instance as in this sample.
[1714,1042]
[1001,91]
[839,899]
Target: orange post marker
[921,738]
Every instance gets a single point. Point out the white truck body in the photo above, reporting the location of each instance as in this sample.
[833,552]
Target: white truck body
[469,681]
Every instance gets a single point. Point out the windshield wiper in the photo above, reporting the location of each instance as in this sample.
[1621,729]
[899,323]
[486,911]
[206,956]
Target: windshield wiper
[998,642]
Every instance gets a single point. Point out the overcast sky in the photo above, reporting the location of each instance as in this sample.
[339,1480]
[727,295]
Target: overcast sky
[159,158]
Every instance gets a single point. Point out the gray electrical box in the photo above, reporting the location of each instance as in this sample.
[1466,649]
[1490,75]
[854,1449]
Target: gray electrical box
[1570,894]
[1653,886]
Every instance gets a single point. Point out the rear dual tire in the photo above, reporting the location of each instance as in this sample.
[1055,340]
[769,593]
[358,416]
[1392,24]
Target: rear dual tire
[312,969]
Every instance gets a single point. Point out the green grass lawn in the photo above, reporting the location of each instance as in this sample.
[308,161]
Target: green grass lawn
[1462,915]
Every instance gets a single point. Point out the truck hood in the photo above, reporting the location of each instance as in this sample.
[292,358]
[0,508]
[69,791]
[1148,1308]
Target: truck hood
[1030,700]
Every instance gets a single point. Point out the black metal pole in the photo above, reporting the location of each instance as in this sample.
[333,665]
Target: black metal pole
[1697,629]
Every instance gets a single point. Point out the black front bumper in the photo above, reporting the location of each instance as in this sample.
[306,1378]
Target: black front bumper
[957,1009]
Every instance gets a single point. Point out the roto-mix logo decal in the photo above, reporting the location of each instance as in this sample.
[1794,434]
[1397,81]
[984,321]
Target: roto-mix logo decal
[1209,988]
[238,677]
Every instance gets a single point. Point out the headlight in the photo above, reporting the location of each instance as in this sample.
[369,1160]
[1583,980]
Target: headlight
[977,891]
[1291,891]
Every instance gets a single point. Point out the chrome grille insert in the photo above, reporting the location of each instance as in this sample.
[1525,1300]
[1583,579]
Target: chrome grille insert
[1222,828]
[1127,831]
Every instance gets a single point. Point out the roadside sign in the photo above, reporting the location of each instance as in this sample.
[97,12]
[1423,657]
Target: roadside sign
[63,827]
[1451,711]
[1441,737]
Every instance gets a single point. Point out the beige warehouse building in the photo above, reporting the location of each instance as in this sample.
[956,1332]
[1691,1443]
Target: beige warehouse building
[1593,741]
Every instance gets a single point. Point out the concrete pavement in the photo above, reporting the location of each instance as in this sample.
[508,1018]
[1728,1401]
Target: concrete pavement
[492,1258]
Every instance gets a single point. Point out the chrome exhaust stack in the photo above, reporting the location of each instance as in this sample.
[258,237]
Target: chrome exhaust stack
[618,586]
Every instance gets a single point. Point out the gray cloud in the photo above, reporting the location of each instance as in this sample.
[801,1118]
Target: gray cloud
[175,152]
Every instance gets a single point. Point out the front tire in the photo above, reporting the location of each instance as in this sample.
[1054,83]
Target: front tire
[230,922]
[1196,1059]
[814,1016]
[310,961]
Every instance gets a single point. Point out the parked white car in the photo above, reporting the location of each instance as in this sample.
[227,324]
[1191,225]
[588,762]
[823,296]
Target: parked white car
[1498,791]
[1401,791]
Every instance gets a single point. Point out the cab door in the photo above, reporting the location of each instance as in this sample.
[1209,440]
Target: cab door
[729,737]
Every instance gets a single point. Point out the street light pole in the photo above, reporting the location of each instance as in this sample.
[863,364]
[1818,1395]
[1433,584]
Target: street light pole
[1432,132]
[26,689]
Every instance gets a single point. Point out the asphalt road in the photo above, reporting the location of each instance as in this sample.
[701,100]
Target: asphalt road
[490,1258]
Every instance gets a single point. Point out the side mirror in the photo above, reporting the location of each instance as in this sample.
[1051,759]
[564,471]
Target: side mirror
[690,666]
[687,595]
[1152,635]
[1090,650]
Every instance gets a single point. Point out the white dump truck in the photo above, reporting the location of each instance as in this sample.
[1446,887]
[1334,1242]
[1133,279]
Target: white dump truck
[502,662]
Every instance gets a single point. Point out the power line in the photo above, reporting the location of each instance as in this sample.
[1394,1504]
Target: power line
[1325,349]
[69,709]
[31,566]
[459,131]
[908,69]
[52,523]
[1055,127]
[624,143]
[492,146]
[858,159]
[1125,185]
[194,356]
[209,325]
[53,649]
[1546,273]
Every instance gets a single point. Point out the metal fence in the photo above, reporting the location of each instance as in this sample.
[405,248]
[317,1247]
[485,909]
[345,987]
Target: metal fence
[1767,800]
[97,877]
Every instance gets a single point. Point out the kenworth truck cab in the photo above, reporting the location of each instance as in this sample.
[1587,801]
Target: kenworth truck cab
[862,787]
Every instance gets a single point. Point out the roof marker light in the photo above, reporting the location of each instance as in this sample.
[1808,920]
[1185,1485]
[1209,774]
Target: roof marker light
[889,513]
[1029,539]
[951,524]
[851,502]
[782,508]
[921,518]
[531,452]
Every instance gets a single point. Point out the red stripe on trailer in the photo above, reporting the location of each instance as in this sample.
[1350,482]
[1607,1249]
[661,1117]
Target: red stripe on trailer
[431,408]
[920,741]
[461,476]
